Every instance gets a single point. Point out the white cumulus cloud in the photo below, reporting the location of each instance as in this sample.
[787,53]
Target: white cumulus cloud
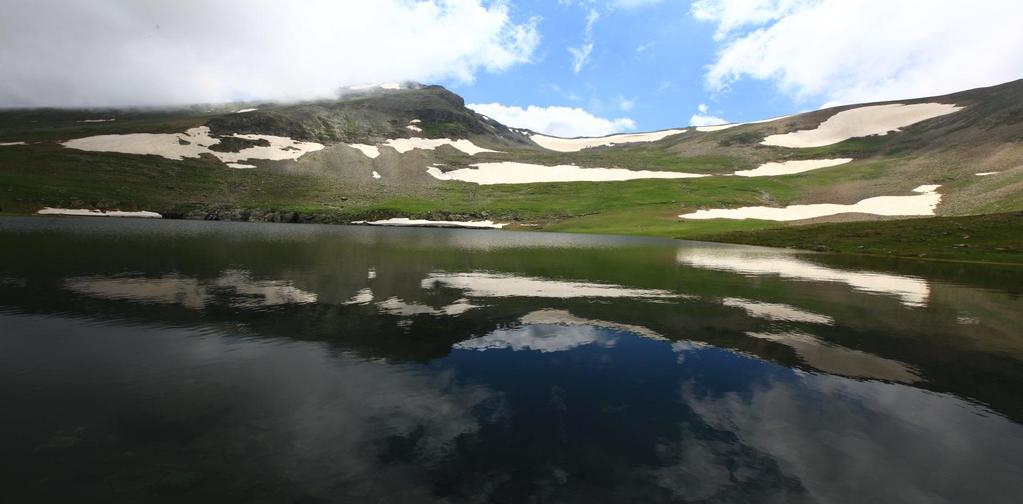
[558,121]
[838,51]
[127,52]
[704,118]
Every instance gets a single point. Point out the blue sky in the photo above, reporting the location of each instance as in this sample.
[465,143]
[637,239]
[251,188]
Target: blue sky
[649,64]
[652,62]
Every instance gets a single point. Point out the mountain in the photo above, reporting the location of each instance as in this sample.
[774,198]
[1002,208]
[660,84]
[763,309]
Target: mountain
[416,151]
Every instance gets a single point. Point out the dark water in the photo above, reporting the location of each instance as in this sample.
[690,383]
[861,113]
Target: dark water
[169,361]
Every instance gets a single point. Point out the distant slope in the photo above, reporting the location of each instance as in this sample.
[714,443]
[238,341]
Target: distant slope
[381,153]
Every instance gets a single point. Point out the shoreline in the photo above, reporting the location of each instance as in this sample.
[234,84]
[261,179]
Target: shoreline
[804,238]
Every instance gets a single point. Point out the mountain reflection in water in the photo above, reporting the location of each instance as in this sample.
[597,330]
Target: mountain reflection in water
[171,361]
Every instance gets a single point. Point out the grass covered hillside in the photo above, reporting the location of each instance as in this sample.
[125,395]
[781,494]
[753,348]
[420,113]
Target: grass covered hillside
[419,152]
[981,238]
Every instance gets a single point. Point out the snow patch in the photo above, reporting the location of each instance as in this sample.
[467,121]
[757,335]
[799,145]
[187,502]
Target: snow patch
[240,166]
[920,204]
[375,174]
[577,144]
[97,213]
[193,143]
[371,151]
[718,127]
[403,145]
[245,110]
[404,221]
[986,173]
[280,148]
[791,167]
[860,122]
[96,120]
[510,172]
[9,144]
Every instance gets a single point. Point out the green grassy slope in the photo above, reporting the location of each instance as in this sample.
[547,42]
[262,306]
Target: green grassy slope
[985,238]
[334,185]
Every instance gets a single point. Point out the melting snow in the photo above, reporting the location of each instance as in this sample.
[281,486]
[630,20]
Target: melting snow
[859,122]
[371,151]
[509,172]
[578,144]
[923,203]
[791,167]
[720,127]
[404,221]
[403,145]
[193,143]
[97,213]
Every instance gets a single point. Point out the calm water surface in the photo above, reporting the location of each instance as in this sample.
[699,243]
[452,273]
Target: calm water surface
[179,361]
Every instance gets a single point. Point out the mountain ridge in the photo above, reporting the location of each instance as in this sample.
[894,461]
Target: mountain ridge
[383,154]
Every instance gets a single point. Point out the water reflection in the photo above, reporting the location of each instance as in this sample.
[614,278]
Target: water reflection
[554,331]
[777,311]
[841,361]
[395,306]
[185,403]
[482,284]
[290,363]
[912,291]
[237,286]
[898,437]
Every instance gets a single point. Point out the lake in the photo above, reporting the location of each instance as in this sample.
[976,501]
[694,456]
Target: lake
[181,361]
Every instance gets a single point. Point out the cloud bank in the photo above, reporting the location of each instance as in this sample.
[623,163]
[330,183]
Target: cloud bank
[151,52]
[838,51]
[565,122]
